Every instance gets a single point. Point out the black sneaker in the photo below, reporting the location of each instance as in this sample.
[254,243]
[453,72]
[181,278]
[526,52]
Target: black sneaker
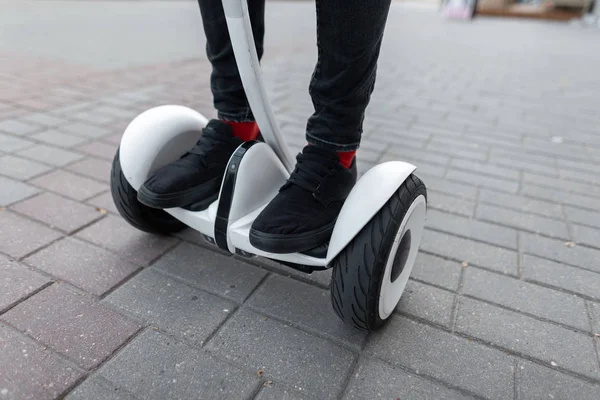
[303,214]
[194,180]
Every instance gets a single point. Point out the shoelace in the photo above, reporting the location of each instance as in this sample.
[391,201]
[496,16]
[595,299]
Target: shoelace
[207,144]
[311,169]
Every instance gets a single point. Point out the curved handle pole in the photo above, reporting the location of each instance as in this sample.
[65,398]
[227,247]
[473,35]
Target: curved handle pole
[242,40]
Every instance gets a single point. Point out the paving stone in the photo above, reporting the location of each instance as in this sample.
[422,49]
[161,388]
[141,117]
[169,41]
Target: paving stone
[305,305]
[71,324]
[84,265]
[30,371]
[155,366]
[19,127]
[595,312]
[304,362]
[525,163]
[211,271]
[586,235]
[104,202]
[20,236]
[520,333]
[50,155]
[457,150]
[538,382]
[586,177]
[57,138]
[485,169]
[578,165]
[472,229]
[44,119]
[484,181]
[117,112]
[428,303]
[58,212]
[99,149]
[531,190]
[456,205]
[584,217]
[17,282]
[171,305]
[449,187]
[93,168]
[14,191]
[374,379]
[69,185]
[432,352]
[97,387]
[85,130]
[415,156]
[92,117]
[465,250]
[116,234]
[562,185]
[275,391]
[557,250]
[10,143]
[561,276]
[437,271]
[522,204]
[526,297]
[527,222]
[20,168]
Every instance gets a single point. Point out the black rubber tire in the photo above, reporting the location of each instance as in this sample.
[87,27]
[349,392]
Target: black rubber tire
[358,270]
[142,217]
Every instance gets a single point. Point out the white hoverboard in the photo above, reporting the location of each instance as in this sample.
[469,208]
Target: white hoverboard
[377,234]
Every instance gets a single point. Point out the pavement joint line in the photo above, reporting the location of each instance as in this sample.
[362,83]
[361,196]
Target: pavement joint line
[425,376]
[526,314]
[545,285]
[471,238]
[244,305]
[519,256]
[564,262]
[588,309]
[346,383]
[504,349]
[92,371]
[516,378]
[24,298]
[456,300]
[54,228]
[541,198]
[27,338]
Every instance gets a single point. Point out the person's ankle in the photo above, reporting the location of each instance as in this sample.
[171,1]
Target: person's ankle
[244,130]
[346,157]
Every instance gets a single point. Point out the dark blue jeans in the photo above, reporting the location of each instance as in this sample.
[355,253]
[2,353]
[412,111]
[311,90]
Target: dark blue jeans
[349,37]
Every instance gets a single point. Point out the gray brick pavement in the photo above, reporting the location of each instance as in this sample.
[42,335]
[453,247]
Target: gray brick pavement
[500,118]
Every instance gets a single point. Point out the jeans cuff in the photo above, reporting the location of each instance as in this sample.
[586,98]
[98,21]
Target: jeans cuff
[244,116]
[313,141]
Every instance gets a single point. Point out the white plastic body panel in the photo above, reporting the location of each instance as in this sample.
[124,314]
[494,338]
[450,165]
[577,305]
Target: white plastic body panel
[157,137]
[242,41]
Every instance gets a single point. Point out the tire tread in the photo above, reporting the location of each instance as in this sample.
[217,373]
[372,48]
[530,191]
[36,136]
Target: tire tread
[359,275]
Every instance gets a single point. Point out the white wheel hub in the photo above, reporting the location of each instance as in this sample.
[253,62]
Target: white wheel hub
[402,257]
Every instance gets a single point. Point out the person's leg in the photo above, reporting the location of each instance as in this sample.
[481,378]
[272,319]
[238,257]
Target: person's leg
[303,214]
[193,181]
[228,93]
[350,34]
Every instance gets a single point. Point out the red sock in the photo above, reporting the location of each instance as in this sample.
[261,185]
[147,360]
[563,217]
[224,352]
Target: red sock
[346,157]
[244,130]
